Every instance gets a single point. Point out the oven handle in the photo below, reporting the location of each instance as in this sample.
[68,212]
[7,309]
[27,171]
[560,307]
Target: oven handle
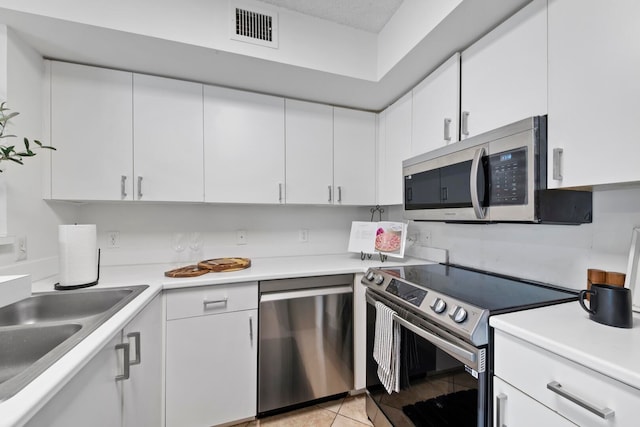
[436,340]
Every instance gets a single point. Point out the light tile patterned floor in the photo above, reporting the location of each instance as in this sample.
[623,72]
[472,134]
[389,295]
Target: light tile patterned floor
[345,412]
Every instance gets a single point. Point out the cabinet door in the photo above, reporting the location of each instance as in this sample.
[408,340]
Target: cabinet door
[211,369]
[514,408]
[91,398]
[354,157]
[395,146]
[436,108]
[504,74]
[594,69]
[91,127]
[143,390]
[244,146]
[309,152]
[168,139]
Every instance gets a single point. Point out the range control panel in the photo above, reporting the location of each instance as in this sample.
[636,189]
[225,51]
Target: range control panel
[462,318]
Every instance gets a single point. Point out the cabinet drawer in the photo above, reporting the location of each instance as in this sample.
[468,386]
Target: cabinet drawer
[531,369]
[214,299]
[511,407]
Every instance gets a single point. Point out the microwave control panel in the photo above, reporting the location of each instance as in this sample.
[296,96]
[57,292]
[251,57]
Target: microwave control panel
[508,172]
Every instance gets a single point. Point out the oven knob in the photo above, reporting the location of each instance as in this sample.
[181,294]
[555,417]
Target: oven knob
[379,279]
[438,305]
[458,314]
[370,275]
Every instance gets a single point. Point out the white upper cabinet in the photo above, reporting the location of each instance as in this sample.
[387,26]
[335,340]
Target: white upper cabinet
[244,147]
[330,155]
[436,108]
[504,74]
[309,152]
[394,146]
[92,129]
[167,139]
[594,88]
[354,157]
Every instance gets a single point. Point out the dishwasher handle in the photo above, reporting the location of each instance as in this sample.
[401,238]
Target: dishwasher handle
[305,293]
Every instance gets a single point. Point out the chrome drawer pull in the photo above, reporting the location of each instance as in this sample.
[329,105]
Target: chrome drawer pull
[215,301]
[125,358]
[605,413]
[136,337]
[447,130]
[123,183]
[501,401]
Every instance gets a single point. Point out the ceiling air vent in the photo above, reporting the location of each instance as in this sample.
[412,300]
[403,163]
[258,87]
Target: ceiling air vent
[254,27]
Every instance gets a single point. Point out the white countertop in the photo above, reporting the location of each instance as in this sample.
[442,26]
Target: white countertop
[21,407]
[566,330]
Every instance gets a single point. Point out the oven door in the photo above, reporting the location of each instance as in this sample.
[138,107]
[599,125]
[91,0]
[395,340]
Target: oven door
[443,380]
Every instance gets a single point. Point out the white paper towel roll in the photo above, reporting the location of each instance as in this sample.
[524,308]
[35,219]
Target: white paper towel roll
[78,254]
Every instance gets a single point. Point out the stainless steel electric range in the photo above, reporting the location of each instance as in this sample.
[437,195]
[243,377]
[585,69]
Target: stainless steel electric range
[446,344]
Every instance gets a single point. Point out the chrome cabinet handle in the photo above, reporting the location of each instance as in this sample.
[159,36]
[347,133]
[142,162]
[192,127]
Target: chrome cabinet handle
[464,129]
[123,183]
[501,401]
[604,413]
[251,329]
[136,337]
[447,130]
[139,187]
[473,184]
[215,301]
[330,194]
[339,194]
[557,163]
[280,192]
[125,359]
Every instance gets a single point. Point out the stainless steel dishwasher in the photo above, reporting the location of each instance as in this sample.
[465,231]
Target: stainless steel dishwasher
[305,340]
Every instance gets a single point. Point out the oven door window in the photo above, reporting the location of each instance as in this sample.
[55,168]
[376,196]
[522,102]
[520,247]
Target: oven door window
[436,389]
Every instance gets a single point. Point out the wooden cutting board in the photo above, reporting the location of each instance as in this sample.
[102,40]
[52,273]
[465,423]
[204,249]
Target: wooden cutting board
[225,264]
[188,271]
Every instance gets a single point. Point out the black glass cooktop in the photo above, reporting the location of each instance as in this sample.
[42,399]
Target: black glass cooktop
[498,294]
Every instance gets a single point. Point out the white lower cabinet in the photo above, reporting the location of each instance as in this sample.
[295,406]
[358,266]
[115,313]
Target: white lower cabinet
[211,354]
[94,397]
[514,408]
[572,391]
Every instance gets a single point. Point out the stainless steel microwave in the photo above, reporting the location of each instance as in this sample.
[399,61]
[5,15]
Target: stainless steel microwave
[498,176]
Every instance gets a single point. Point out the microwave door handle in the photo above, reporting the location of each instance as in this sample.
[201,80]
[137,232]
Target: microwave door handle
[479,210]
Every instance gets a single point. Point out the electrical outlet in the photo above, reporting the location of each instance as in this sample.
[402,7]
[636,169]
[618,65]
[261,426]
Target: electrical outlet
[241,237]
[303,235]
[21,248]
[113,239]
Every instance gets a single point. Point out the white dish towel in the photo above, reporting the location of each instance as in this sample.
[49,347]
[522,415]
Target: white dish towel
[386,348]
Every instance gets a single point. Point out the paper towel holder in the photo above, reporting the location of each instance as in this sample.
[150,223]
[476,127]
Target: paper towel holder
[59,287]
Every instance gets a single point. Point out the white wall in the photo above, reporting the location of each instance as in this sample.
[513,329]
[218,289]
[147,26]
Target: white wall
[553,254]
[407,27]
[146,231]
[28,215]
[304,41]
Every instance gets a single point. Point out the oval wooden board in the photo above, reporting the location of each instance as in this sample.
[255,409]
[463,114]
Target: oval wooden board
[188,271]
[225,264]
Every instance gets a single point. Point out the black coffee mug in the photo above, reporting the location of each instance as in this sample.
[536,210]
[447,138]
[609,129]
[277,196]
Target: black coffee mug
[609,305]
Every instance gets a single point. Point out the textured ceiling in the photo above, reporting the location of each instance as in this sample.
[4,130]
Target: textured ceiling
[367,15]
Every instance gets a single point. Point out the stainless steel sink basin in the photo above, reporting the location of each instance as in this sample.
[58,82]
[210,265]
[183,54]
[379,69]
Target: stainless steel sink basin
[61,306]
[37,331]
[22,347]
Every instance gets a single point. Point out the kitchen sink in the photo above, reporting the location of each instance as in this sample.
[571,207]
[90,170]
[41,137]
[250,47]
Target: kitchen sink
[20,348]
[61,306]
[37,331]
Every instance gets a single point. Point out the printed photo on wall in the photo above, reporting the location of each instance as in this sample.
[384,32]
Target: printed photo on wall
[385,237]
